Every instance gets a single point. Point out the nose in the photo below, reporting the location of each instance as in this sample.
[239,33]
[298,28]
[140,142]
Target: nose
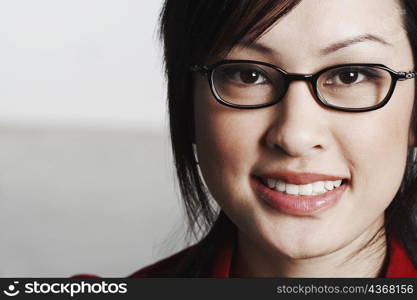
[300,127]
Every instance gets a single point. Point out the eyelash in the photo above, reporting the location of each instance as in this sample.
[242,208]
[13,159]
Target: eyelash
[363,71]
[238,70]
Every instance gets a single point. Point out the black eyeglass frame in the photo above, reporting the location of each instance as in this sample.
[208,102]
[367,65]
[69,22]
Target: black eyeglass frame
[208,70]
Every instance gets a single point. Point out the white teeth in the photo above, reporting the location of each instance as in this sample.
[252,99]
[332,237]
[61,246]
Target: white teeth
[280,186]
[291,189]
[271,183]
[329,185]
[318,187]
[305,189]
[315,188]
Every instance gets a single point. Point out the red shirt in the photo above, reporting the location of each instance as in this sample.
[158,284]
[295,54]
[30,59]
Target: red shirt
[218,265]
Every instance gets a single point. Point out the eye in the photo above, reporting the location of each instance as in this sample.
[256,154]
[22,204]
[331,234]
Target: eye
[251,77]
[247,75]
[350,76]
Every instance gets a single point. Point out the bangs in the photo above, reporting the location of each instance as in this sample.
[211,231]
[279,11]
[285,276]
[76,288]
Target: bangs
[234,22]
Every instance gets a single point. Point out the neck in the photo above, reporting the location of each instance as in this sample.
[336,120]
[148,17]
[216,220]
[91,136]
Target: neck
[362,257]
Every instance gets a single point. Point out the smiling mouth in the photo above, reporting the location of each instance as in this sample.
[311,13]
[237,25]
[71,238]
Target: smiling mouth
[300,199]
[310,189]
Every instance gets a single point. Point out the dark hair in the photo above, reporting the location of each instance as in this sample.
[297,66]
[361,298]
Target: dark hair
[194,31]
[401,215]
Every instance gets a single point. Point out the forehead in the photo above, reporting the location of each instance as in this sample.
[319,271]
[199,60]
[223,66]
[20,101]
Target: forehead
[345,17]
[315,24]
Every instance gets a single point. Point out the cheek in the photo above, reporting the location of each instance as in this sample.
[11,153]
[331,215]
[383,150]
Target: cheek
[227,142]
[375,149]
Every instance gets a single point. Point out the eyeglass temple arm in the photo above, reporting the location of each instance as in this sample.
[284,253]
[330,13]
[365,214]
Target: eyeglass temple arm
[406,75]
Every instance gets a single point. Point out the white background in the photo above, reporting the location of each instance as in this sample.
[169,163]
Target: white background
[81,61]
[86,177]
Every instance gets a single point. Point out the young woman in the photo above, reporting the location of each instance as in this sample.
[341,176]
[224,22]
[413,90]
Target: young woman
[301,115]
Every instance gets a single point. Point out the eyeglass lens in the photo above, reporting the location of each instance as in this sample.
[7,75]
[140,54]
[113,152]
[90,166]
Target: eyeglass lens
[345,87]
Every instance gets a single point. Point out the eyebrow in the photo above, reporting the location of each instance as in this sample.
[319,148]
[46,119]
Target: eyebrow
[351,41]
[259,47]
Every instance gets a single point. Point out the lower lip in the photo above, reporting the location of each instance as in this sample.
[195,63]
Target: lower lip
[296,204]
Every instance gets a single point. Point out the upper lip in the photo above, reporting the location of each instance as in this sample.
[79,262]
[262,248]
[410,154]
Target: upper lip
[299,178]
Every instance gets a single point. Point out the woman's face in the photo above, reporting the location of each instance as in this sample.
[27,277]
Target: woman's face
[298,136]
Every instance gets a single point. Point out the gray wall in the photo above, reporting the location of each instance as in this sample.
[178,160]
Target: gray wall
[89,200]
[86,179]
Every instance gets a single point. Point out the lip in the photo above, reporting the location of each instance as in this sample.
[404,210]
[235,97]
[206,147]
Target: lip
[299,178]
[298,205]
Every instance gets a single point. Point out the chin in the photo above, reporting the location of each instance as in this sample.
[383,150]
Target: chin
[302,244]
[306,253]
[306,249]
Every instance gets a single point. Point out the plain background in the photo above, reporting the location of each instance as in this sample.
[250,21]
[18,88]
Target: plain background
[86,177]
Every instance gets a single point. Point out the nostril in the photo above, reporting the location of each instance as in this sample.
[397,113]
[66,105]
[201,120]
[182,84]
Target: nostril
[296,150]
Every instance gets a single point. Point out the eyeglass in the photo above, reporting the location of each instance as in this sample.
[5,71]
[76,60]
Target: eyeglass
[249,84]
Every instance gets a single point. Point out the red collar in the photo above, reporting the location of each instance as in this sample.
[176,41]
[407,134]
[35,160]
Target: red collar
[399,264]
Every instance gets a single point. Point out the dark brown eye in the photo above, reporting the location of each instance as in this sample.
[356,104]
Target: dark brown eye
[348,77]
[243,74]
[249,76]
